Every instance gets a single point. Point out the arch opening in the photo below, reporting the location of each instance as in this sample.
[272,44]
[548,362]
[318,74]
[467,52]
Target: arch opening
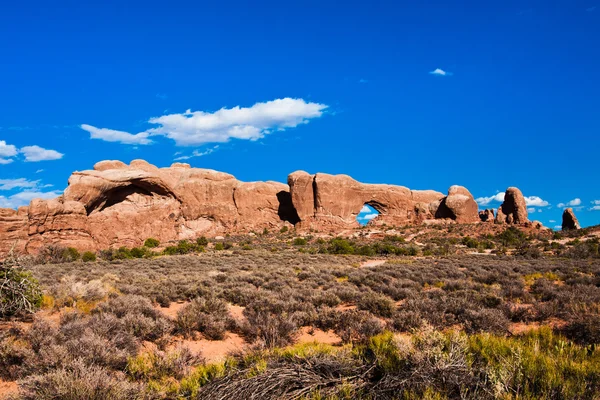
[366,214]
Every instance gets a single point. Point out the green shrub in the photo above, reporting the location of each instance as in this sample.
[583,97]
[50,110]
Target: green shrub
[19,291]
[219,246]
[151,243]
[137,252]
[88,256]
[300,241]
[202,241]
[340,246]
[283,229]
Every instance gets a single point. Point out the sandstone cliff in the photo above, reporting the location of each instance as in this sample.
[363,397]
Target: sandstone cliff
[116,204]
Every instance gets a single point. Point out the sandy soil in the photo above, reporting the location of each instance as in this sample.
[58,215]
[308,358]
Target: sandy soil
[215,350]
[7,388]
[308,334]
[372,263]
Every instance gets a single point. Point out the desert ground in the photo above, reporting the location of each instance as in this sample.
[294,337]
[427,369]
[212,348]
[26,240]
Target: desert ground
[440,313]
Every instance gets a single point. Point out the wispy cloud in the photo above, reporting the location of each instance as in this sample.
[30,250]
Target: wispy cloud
[590,9]
[37,153]
[595,205]
[440,72]
[111,135]
[7,151]
[363,81]
[536,201]
[572,203]
[162,96]
[484,201]
[19,183]
[198,153]
[23,198]
[194,128]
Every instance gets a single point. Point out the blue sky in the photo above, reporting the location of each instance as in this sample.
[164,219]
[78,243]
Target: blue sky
[423,94]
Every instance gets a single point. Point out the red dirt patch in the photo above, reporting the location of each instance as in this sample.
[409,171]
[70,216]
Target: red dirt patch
[215,350]
[8,388]
[372,263]
[308,334]
[171,311]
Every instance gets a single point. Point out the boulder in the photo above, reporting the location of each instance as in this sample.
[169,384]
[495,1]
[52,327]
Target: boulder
[569,220]
[459,206]
[514,208]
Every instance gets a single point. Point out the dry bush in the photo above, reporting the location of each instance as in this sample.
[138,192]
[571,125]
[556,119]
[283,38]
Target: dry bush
[79,381]
[209,316]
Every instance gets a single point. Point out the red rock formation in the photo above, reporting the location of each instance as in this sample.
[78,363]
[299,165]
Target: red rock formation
[117,205]
[514,209]
[121,205]
[459,206]
[487,215]
[332,202]
[569,220]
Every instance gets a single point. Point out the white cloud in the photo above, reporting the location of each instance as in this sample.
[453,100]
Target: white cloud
[39,171]
[200,127]
[23,198]
[37,153]
[197,153]
[365,210]
[595,206]
[6,152]
[484,201]
[531,210]
[110,135]
[536,201]
[557,227]
[368,217]
[21,183]
[572,203]
[552,221]
[440,72]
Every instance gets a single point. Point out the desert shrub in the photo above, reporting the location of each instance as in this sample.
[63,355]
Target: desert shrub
[210,316]
[485,320]
[157,365]
[283,229]
[138,252]
[470,242]
[352,326]
[537,365]
[70,290]
[273,328]
[406,321]
[88,256]
[19,291]
[122,253]
[79,381]
[340,246]
[377,304]
[202,241]
[138,315]
[151,243]
[511,237]
[13,355]
[219,246]
[299,241]
[583,329]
